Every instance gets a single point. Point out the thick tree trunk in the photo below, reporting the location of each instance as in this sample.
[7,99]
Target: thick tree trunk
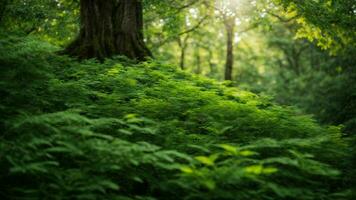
[110,27]
[229,26]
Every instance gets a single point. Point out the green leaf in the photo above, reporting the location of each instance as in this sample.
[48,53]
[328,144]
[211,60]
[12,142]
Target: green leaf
[207,160]
[229,148]
[254,169]
[187,169]
[247,153]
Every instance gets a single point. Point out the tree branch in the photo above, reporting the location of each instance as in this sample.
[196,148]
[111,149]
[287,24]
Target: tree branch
[195,27]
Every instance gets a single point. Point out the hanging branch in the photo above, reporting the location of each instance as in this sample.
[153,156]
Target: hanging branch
[192,29]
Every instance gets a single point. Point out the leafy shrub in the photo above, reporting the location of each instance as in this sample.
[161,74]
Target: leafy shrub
[120,130]
[65,155]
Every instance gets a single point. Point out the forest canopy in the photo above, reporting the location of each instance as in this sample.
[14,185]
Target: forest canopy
[178,99]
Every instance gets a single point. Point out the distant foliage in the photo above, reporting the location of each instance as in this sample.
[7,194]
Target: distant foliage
[332,23]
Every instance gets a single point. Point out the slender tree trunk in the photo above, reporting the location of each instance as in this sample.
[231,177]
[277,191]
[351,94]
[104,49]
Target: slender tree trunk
[182,58]
[229,26]
[183,44]
[198,61]
[110,27]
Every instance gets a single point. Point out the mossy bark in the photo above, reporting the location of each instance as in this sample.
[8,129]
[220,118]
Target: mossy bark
[110,27]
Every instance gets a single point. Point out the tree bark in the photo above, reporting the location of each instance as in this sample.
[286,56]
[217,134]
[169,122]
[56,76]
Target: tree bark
[183,44]
[229,26]
[110,27]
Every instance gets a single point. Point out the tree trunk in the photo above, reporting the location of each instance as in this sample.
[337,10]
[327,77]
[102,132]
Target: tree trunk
[110,27]
[198,61]
[183,44]
[182,58]
[229,26]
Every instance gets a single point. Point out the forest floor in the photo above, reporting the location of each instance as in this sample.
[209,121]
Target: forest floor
[121,130]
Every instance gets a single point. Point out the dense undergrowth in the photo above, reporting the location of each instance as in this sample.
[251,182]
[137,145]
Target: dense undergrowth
[120,130]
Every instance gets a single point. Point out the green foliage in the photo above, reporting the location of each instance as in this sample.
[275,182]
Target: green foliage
[72,156]
[330,22]
[275,175]
[54,21]
[331,98]
[120,130]
[296,72]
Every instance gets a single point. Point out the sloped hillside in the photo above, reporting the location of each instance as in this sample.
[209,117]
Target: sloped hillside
[120,130]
